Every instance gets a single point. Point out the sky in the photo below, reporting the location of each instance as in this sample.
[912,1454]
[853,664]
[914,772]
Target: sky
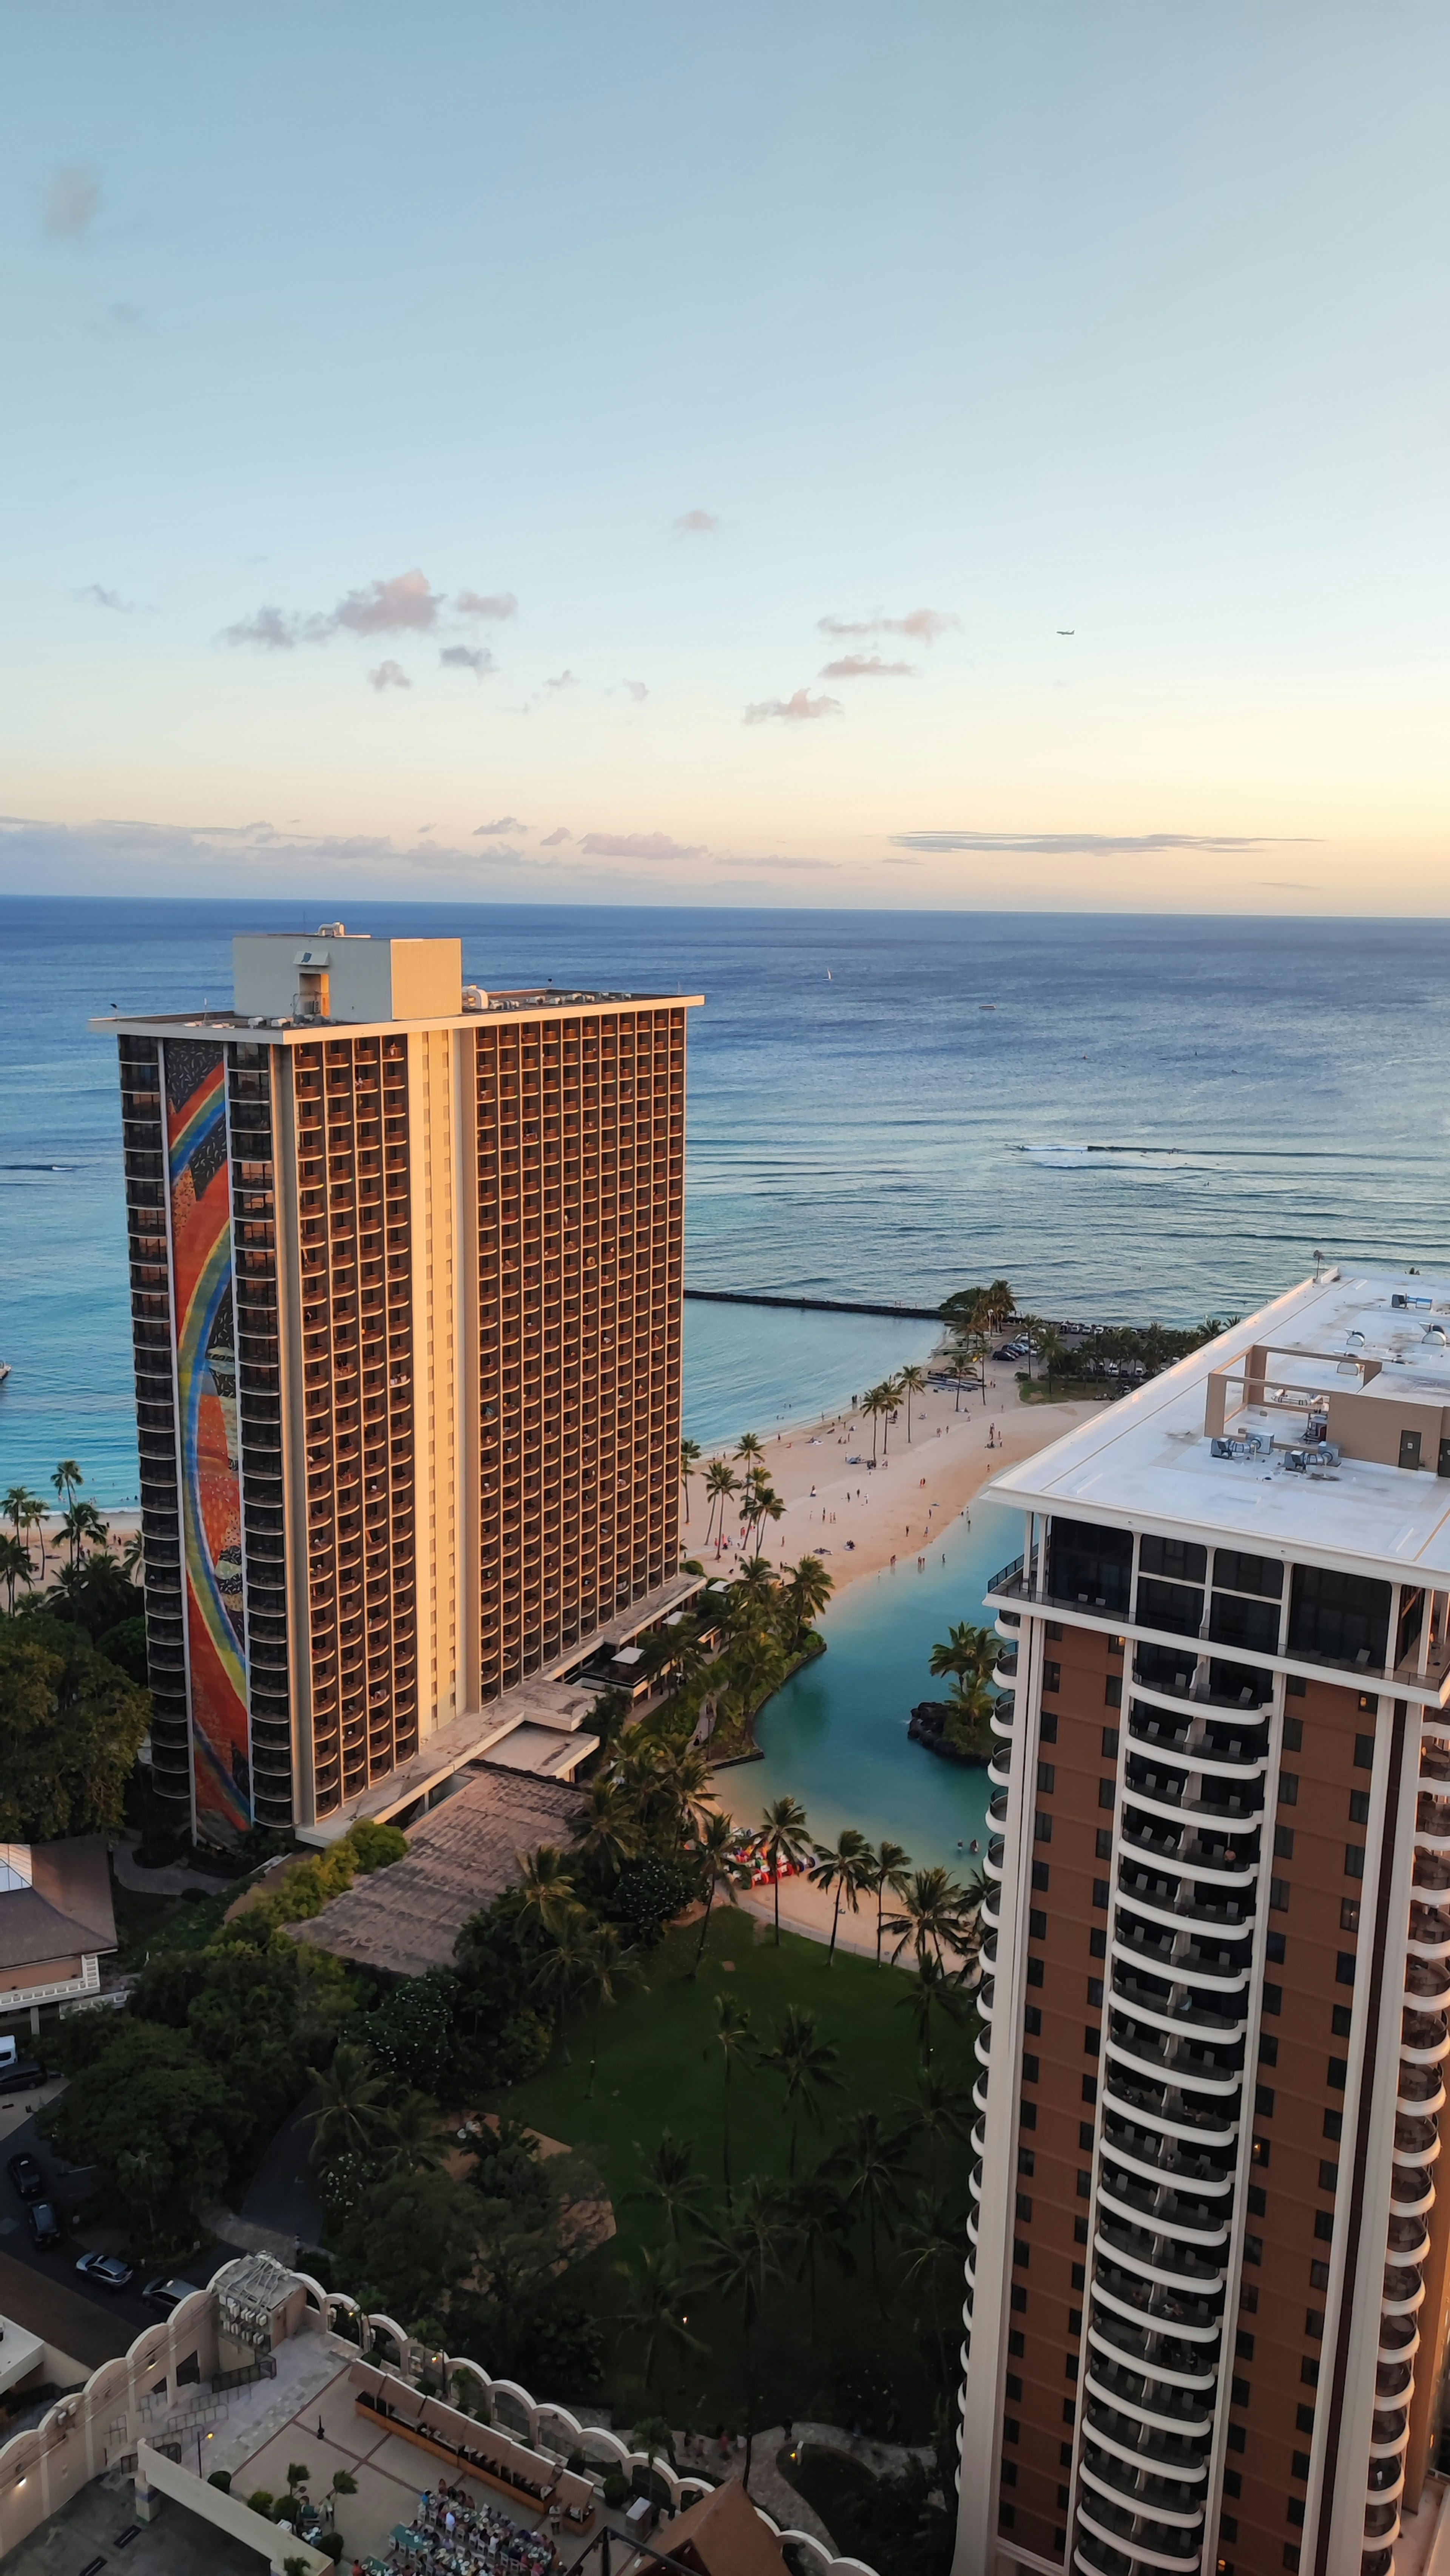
[945,455]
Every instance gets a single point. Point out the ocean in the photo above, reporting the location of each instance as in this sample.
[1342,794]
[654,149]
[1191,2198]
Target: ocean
[1126,1117]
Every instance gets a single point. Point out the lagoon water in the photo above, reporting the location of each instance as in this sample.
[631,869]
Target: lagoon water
[1126,1117]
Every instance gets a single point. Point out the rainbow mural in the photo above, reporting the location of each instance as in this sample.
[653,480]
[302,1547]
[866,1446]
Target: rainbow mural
[206,1370]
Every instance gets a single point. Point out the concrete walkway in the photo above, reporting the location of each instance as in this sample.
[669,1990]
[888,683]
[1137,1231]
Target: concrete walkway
[173,1880]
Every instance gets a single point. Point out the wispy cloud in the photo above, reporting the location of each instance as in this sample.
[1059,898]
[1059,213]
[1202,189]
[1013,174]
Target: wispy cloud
[493,606]
[799,709]
[867,666]
[562,680]
[635,689]
[552,840]
[1060,845]
[70,205]
[637,845]
[923,625]
[389,675]
[697,523]
[468,657]
[505,823]
[404,604]
[96,596]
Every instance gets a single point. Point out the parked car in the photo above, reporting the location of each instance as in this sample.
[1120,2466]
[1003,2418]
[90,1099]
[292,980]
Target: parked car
[167,2294]
[27,2177]
[44,2224]
[108,2269]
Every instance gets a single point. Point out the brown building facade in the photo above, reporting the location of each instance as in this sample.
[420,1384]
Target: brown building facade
[406,1284]
[1206,2301]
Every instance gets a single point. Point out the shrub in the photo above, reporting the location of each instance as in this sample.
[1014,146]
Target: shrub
[616,2488]
[259,2501]
[651,1891]
[221,2478]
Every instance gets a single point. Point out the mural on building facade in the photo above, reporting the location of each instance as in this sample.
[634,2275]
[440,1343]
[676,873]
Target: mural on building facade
[211,1491]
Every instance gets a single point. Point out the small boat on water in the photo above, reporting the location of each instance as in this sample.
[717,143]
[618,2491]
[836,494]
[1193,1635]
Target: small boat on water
[4,1371]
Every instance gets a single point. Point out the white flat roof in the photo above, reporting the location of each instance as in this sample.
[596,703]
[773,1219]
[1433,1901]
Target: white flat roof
[1146,1458]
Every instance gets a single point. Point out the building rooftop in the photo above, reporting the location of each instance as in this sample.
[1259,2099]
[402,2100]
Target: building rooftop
[1355,1368]
[55,1901]
[406,1919]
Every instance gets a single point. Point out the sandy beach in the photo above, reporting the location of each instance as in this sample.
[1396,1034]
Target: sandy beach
[856,1518]
[900,1509]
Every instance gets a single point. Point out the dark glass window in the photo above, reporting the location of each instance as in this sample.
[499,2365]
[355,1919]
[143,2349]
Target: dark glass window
[1170,1605]
[1343,1617]
[1236,1573]
[1178,1559]
[1235,1622]
[1088,1563]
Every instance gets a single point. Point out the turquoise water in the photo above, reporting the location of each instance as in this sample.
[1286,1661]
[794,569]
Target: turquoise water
[751,1368]
[835,1737]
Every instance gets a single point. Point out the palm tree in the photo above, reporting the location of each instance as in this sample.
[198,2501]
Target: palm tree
[32,1518]
[739,2259]
[13,1503]
[583,1958]
[1052,1351]
[911,1381]
[747,1446]
[891,1391]
[933,1990]
[874,1403]
[653,2310]
[606,1829]
[67,1480]
[820,2222]
[720,1483]
[1031,1328]
[546,1884]
[716,1837]
[733,2034]
[806,1594]
[931,1915]
[942,2110]
[80,1523]
[890,1870]
[787,1842]
[410,2141]
[689,1461]
[351,2117]
[846,1867]
[932,2247]
[869,2162]
[967,1653]
[998,1305]
[15,1567]
[670,2178]
[133,1554]
[806,2065]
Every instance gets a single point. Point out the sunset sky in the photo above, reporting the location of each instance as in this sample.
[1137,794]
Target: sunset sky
[651,452]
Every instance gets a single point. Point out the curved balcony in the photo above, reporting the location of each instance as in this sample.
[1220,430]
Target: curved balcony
[979,2092]
[1421,2089]
[1162,2212]
[1174,2061]
[1430,1873]
[1094,2557]
[1005,1668]
[1399,2338]
[1424,2038]
[1376,2562]
[1177,1724]
[1170,2119]
[994,1856]
[1381,2521]
[1158,1900]
[1185,1850]
[999,1768]
[1156,2258]
[1412,2190]
[1118,2481]
[1403,2291]
[987,1998]
[1432,1823]
[1151,2543]
[1143,2153]
[997,1806]
[1124,2294]
[1181,2459]
[1192,2012]
[1429,1935]
[1163,2357]
[1407,2240]
[1134,2394]
[1417,2140]
[1392,2379]
[1002,1713]
[1427,1984]
[1389,2430]
[1179,1956]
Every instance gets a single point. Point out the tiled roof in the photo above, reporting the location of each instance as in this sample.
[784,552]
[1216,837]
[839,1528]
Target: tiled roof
[405,1919]
[65,1912]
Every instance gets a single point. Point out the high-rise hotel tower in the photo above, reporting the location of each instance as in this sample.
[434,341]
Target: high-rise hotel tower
[1206,2307]
[405,1273]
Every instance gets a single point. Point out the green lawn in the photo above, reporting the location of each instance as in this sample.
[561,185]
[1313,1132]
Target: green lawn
[652,2062]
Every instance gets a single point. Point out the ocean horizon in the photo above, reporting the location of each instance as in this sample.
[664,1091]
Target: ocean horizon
[1127,1116]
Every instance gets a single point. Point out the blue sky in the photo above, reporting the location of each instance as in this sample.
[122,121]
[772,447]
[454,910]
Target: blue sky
[724,344]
